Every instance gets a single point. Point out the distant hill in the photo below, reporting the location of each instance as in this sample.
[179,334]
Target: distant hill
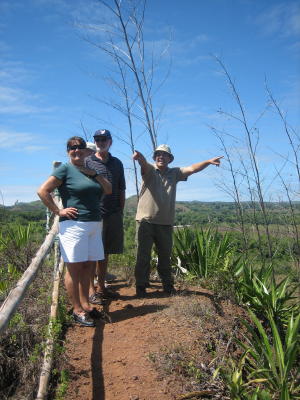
[187,212]
[31,206]
[200,212]
[23,212]
[130,205]
[182,206]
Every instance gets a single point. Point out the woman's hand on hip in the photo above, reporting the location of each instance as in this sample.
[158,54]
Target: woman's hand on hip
[70,212]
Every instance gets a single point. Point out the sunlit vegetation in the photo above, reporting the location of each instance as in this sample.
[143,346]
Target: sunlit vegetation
[209,251]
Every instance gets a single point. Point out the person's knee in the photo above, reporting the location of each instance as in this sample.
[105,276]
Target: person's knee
[142,260]
[164,257]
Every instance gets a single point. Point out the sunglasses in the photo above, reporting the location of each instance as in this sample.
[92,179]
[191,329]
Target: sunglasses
[101,139]
[77,147]
[162,154]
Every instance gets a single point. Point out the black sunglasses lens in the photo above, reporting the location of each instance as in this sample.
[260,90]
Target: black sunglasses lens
[103,139]
[77,146]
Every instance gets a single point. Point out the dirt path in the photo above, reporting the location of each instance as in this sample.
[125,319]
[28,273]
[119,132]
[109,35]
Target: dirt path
[112,361]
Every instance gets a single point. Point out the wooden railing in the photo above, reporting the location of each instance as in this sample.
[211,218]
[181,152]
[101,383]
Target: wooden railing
[16,295]
[49,346]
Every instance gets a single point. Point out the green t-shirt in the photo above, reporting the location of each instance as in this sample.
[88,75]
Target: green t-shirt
[79,191]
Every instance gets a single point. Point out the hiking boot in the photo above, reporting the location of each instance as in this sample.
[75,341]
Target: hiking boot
[170,290]
[97,298]
[95,314]
[83,319]
[141,292]
[110,277]
[110,294]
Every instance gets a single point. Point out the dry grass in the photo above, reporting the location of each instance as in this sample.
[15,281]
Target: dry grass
[209,335]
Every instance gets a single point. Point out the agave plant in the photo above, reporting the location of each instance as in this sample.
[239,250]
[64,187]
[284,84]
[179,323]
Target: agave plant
[202,252]
[16,245]
[7,275]
[240,388]
[267,298]
[273,359]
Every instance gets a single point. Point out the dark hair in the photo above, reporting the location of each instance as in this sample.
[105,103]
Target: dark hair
[78,139]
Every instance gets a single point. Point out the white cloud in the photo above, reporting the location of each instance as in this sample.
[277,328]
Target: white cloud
[282,19]
[190,45]
[191,111]
[17,141]
[10,139]
[12,72]
[33,148]
[19,101]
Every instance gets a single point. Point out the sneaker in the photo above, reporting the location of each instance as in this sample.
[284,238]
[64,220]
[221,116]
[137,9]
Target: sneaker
[97,298]
[83,319]
[141,292]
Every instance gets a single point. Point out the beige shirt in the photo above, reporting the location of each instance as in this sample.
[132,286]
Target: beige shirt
[158,195]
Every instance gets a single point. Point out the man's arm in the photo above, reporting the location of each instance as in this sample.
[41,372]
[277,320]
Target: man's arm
[104,182]
[145,166]
[192,169]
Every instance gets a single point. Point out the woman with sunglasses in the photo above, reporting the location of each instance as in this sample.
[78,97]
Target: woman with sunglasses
[80,189]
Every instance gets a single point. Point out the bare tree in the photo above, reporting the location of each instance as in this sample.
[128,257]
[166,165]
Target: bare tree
[234,191]
[246,178]
[132,75]
[251,142]
[293,138]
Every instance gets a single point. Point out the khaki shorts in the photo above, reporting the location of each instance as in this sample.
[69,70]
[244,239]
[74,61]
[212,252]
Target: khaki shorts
[112,233]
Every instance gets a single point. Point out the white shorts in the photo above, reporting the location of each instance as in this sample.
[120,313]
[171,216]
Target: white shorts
[81,241]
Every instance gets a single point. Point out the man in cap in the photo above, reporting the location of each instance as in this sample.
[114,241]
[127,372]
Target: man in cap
[111,208]
[155,214]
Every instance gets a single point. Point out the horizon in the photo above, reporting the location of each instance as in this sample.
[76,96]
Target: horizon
[177,201]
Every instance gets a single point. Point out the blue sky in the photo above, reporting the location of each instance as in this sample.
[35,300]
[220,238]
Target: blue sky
[51,80]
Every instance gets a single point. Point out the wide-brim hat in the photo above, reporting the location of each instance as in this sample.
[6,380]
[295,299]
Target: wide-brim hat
[166,149]
[103,133]
[91,146]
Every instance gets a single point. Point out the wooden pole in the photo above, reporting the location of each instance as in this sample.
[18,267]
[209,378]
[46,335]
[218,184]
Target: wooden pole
[15,296]
[48,355]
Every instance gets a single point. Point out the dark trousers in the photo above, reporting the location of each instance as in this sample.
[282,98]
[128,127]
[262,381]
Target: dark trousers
[148,234]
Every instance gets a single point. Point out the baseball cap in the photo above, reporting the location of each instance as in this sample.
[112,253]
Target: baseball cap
[103,133]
